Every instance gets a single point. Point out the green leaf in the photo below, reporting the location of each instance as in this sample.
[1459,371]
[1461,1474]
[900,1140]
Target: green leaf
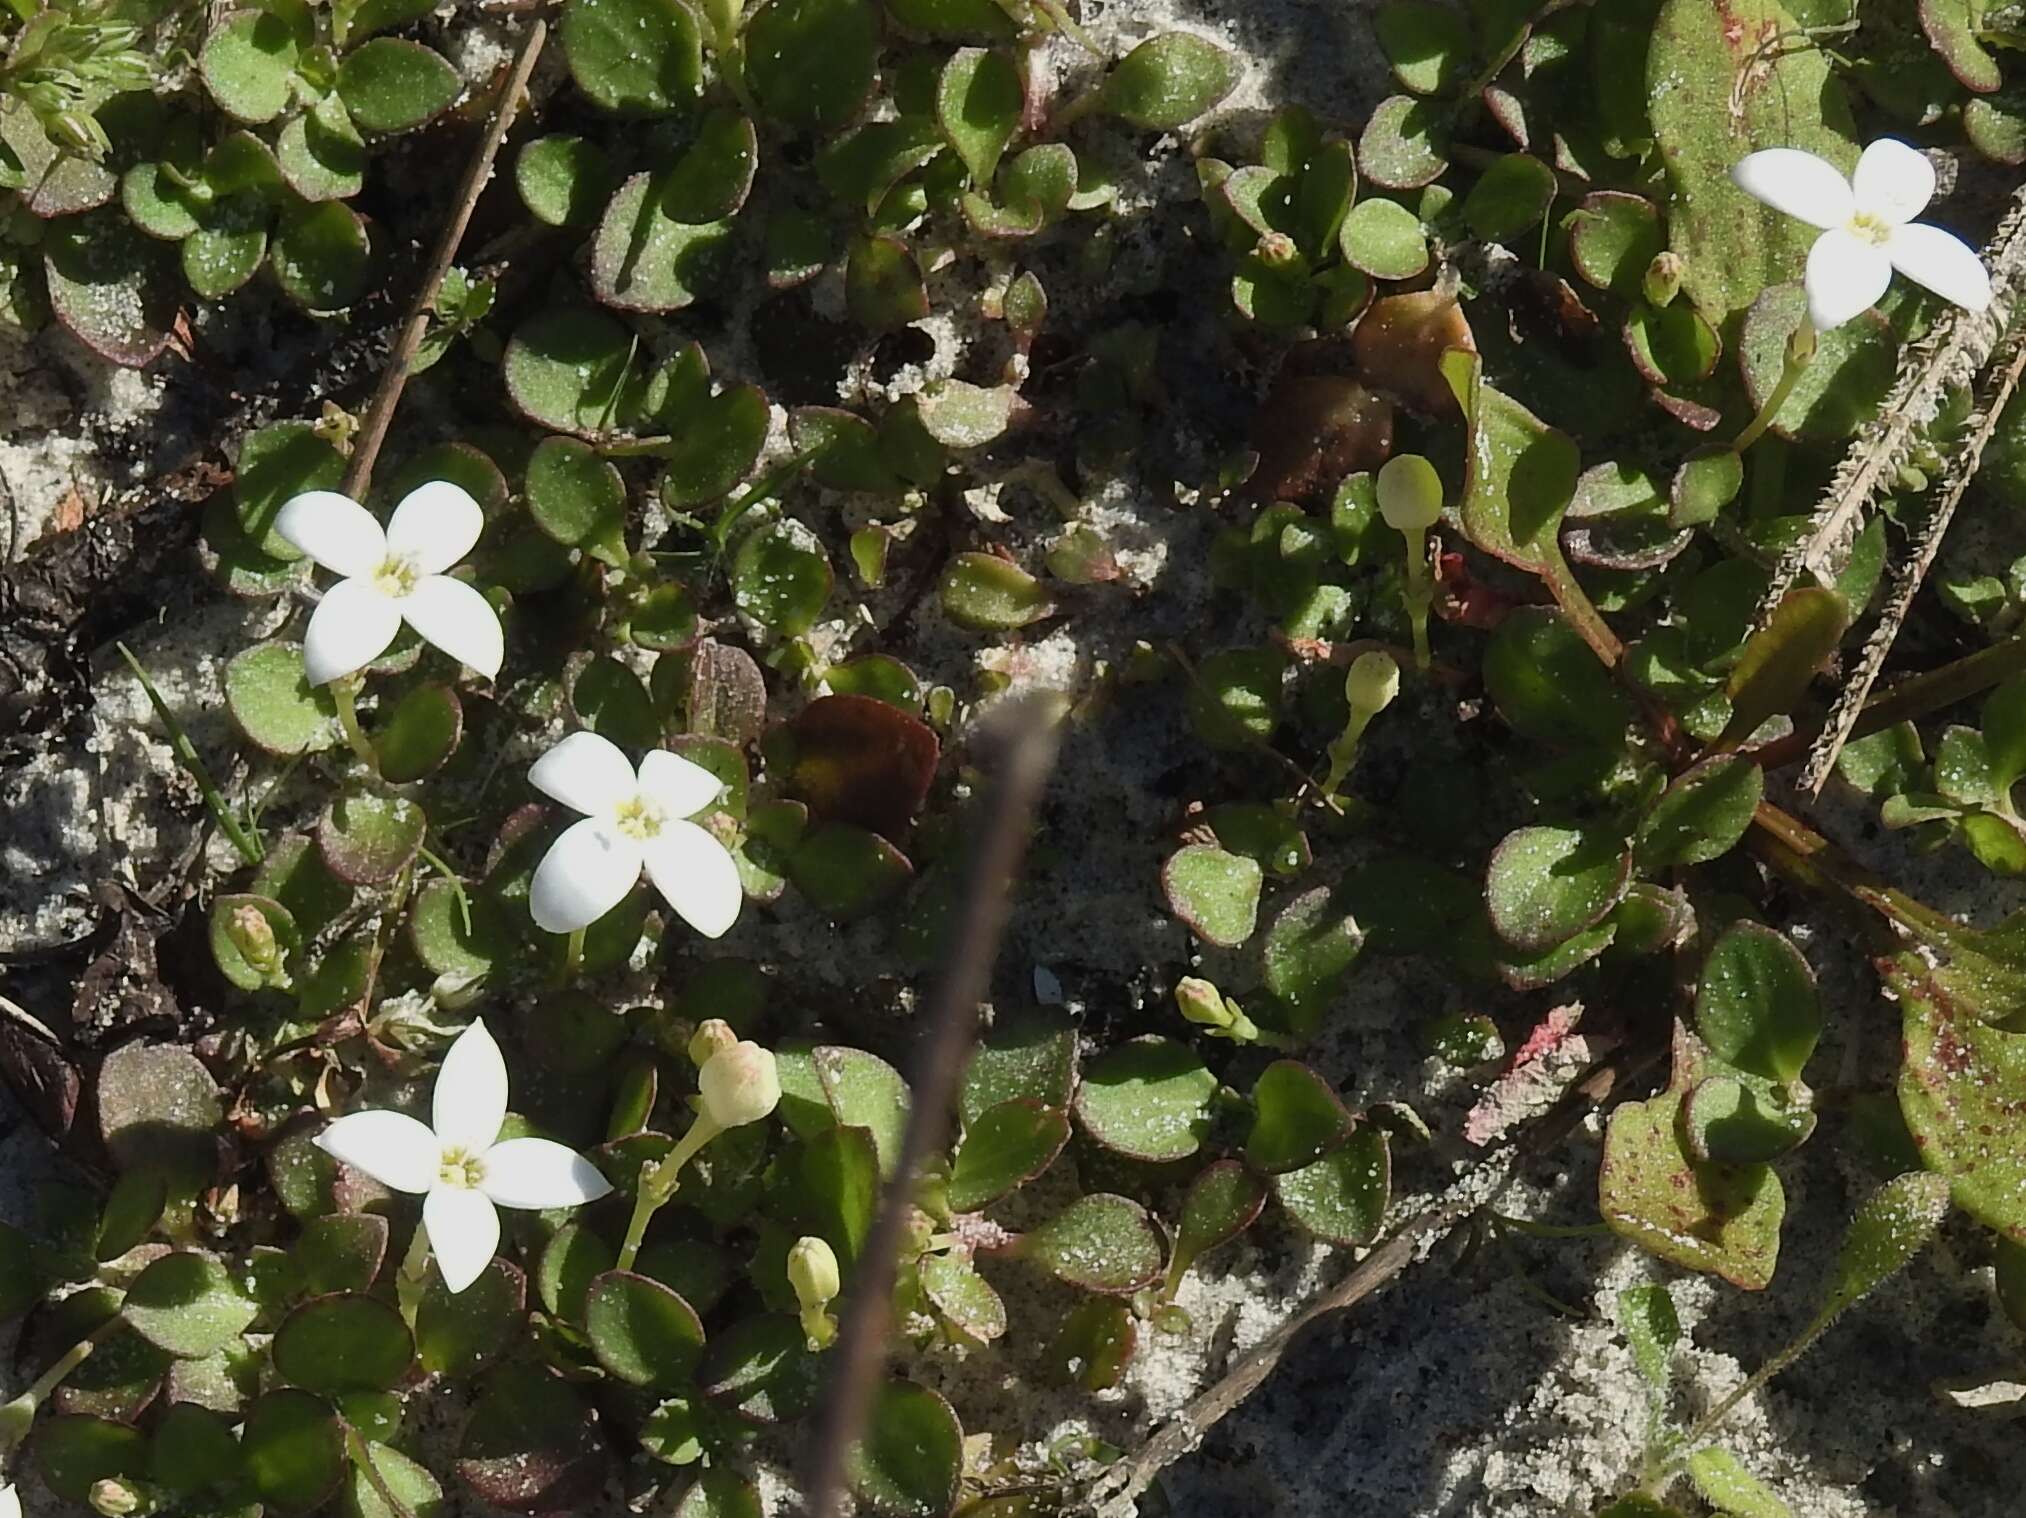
[1296,1118]
[1168,81]
[133,1207]
[1707,481]
[158,1108]
[1384,239]
[1894,1224]
[1702,814]
[188,1304]
[1099,1242]
[1509,197]
[1148,1098]
[864,1091]
[74,1453]
[1029,1059]
[1720,1219]
[952,1284]
[1002,1149]
[635,57]
[1715,96]
[781,577]
[2003,720]
[829,1186]
[342,1252]
[269,696]
[420,734]
[321,154]
[321,256]
[195,1453]
[531,1443]
[1405,144]
[911,1458]
[610,700]
[716,448]
[565,368]
[391,85]
[227,250]
[644,259]
[762,1368]
[1958,1085]
[1756,1006]
[1780,660]
[883,286]
[1222,1202]
[954,20]
[275,463]
[720,1493]
[1840,388]
[1310,947]
[1521,476]
[345,1342]
[1723,1482]
[1547,884]
[712,179]
[643,1333]
[1671,346]
[1095,1343]
[985,593]
[368,839]
[811,63]
[108,286]
[578,498]
[1732,1120]
[1613,239]
[458,1334]
[1647,1318]
[1428,45]
[419,1493]
[564,181]
[1234,703]
[1342,1197]
[247,63]
[1213,892]
[960,415]
[1549,684]
[978,103]
[845,449]
[1954,28]
[295,1450]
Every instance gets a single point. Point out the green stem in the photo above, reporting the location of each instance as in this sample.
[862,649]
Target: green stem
[1420,595]
[658,1182]
[456,886]
[18,1415]
[345,693]
[766,485]
[186,754]
[1800,351]
[573,957]
[413,1276]
[362,1461]
[1344,752]
[1786,1357]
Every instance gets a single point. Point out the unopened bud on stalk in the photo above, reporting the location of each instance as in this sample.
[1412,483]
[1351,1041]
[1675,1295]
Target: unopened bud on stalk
[253,936]
[1206,1006]
[812,1271]
[740,1085]
[1662,280]
[1410,499]
[1371,685]
[1277,251]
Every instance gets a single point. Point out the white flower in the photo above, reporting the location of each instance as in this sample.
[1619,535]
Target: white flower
[457,1164]
[739,1085]
[392,575]
[1868,228]
[630,819]
[10,1502]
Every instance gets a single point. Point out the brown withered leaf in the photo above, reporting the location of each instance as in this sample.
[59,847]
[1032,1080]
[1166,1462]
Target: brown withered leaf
[1399,345]
[862,760]
[1314,429]
[38,1070]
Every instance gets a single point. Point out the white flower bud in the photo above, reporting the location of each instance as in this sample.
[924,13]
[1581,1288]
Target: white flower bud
[1410,493]
[812,1271]
[1202,1003]
[740,1085]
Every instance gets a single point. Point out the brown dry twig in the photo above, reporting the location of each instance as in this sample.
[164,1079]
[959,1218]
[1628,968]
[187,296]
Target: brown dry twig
[394,378]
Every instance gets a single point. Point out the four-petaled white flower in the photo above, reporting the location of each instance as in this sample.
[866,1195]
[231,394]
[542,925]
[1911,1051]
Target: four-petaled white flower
[392,575]
[1868,228]
[456,1162]
[631,818]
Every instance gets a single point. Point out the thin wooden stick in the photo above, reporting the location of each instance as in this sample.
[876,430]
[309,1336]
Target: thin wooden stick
[952,1026]
[394,378]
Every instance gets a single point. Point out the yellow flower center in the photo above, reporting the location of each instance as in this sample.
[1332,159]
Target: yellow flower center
[641,818]
[396,577]
[461,1169]
[1872,229]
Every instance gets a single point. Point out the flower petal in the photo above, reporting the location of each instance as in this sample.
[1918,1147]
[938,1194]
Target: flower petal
[392,1147]
[458,620]
[471,1092]
[335,530]
[350,628]
[681,787]
[435,525]
[587,773]
[697,875]
[1846,275]
[586,873]
[1798,183]
[1941,261]
[1893,181]
[531,1172]
[463,1230]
